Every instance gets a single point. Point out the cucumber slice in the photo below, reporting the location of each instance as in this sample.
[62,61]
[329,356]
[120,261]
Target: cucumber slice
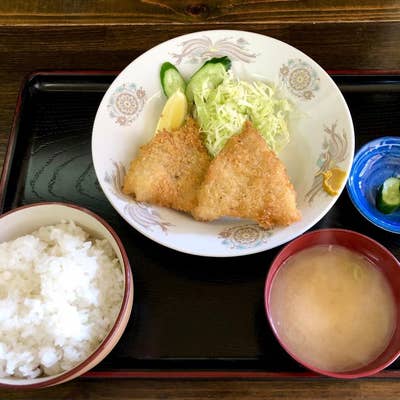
[171,79]
[225,61]
[388,196]
[211,73]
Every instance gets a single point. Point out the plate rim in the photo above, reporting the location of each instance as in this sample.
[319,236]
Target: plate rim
[222,253]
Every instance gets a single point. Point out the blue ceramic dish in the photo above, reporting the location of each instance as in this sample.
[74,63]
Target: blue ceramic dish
[373,163]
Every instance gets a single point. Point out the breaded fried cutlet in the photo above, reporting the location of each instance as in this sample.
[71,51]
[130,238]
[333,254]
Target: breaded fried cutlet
[247,180]
[169,170]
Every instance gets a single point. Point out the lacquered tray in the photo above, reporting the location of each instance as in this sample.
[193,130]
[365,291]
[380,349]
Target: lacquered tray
[193,316]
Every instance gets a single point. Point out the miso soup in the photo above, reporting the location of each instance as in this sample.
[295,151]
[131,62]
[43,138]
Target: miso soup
[332,308]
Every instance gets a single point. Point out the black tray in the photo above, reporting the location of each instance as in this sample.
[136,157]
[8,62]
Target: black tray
[192,316]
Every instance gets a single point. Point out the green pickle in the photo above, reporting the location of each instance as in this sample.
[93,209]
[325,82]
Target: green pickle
[388,196]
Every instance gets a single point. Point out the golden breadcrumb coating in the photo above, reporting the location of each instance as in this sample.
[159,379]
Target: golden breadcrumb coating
[247,180]
[169,170]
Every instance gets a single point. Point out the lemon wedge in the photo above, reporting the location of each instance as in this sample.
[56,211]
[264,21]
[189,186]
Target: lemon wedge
[333,180]
[174,112]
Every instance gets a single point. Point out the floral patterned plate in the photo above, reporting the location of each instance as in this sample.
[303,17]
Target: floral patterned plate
[321,128]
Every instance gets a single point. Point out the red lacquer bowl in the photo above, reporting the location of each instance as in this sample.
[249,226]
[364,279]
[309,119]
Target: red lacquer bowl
[377,254]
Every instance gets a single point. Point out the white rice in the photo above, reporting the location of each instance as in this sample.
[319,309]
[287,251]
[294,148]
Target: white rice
[60,293]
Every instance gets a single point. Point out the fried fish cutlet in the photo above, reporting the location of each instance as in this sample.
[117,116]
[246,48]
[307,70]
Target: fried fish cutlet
[168,170]
[247,180]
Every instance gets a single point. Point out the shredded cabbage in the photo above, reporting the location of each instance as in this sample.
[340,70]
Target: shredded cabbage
[222,111]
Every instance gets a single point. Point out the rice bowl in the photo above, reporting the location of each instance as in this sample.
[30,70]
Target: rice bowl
[65,293]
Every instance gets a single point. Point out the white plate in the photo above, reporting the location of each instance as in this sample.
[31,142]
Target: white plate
[322,137]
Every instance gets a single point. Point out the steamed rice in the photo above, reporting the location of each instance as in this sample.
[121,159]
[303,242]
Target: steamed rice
[60,293]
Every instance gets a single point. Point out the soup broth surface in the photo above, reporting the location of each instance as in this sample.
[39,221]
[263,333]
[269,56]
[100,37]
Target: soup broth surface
[332,308]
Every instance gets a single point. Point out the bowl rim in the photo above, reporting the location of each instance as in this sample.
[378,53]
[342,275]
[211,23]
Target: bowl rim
[381,142]
[125,307]
[267,290]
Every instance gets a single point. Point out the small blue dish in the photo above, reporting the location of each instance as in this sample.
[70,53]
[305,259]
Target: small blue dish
[373,164]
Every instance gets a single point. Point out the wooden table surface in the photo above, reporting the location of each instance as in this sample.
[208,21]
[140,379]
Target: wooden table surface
[107,35]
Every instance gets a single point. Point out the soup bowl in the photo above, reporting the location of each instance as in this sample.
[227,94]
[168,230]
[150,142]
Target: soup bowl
[374,252]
